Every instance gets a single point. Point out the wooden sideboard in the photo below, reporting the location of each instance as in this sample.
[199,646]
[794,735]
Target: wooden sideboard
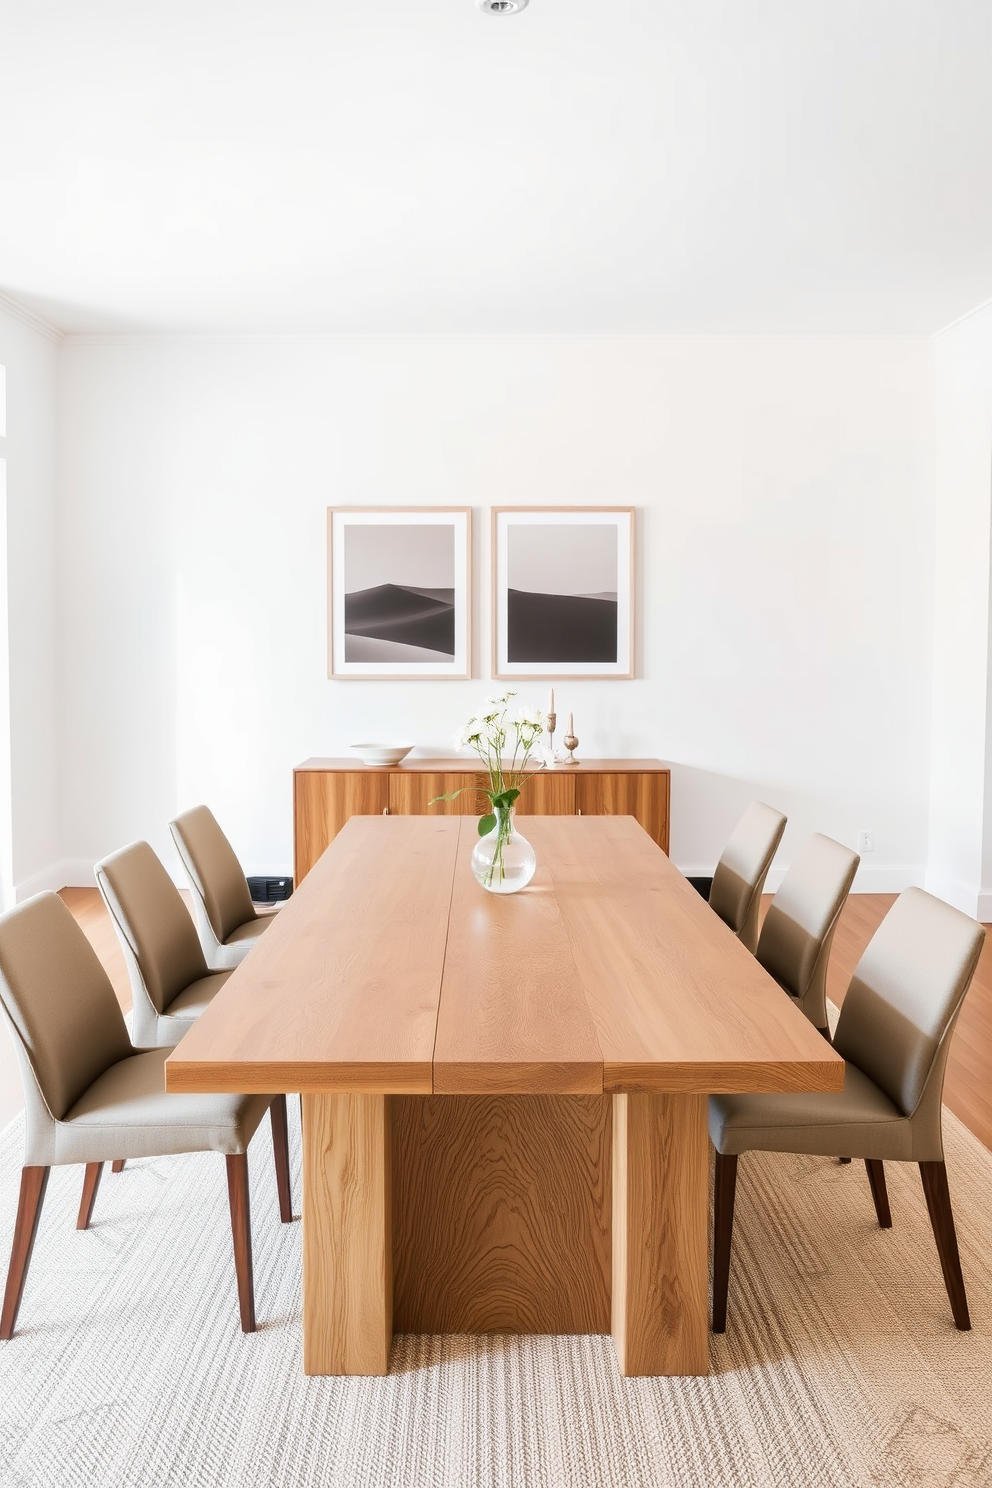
[326,792]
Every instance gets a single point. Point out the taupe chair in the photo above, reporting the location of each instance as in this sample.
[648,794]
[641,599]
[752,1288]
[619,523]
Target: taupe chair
[226,920]
[170,982]
[794,944]
[91,1096]
[894,1032]
[739,877]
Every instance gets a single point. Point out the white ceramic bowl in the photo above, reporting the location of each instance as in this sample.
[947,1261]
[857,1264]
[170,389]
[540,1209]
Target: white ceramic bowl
[381,754]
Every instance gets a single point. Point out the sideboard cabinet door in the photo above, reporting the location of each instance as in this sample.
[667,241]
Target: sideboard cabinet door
[627,793]
[325,799]
[411,794]
[548,793]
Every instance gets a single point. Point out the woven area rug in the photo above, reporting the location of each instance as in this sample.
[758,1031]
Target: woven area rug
[841,1365]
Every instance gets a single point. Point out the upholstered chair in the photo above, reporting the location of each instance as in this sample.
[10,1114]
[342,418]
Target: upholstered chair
[894,1033]
[226,920]
[794,944]
[170,982]
[740,875]
[91,1096]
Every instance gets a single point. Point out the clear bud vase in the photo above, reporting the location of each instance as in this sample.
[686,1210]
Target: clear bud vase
[503,861]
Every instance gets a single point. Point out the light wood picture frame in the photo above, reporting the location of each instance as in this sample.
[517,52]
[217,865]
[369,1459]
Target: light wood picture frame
[399,602]
[563,591]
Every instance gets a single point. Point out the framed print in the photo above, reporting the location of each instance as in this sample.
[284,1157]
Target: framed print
[563,591]
[398,603]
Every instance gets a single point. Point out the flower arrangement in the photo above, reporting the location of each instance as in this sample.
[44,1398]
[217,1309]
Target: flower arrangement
[495,734]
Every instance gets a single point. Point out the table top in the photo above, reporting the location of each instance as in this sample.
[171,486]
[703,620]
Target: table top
[390,970]
[469,764]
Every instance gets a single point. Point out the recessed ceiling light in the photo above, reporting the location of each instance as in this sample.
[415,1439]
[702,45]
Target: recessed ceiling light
[502,7]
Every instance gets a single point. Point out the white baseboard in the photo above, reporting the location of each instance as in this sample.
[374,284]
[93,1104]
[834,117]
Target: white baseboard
[61,875]
[77,873]
[971,898]
[886,878]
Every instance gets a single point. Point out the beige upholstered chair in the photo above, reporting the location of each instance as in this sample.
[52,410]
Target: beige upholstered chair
[894,1032]
[795,939]
[226,920]
[170,983]
[90,1095]
[743,867]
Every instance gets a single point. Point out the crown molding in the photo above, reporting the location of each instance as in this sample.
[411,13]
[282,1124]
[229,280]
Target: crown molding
[37,323]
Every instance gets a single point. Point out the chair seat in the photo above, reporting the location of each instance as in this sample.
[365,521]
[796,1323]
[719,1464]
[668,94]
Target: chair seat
[249,931]
[192,1000]
[126,1113]
[858,1121]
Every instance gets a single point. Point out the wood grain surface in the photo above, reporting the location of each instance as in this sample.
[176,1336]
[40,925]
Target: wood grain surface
[501,1214]
[624,793]
[342,991]
[594,787]
[347,1235]
[609,968]
[411,793]
[660,1234]
[456,764]
[677,1002]
[550,793]
[512,1016]
[322,803]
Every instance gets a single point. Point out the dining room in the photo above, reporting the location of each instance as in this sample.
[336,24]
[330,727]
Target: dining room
[494,731]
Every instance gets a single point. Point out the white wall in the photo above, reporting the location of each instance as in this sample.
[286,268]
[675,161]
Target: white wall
[29,754]
[784,495]
[960,840]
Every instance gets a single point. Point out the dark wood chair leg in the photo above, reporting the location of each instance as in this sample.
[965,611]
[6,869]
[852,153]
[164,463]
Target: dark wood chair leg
[879,1192]
[280,1151]
[237,1193]
[34,1181]
[723,1234]
[934,1175]
[117,1166]
[91,1182]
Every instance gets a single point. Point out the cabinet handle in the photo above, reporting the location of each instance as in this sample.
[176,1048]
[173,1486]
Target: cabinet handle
[578,810]
[385,810]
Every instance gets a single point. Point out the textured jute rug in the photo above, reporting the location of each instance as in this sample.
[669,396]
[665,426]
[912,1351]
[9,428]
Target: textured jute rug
[841,1365]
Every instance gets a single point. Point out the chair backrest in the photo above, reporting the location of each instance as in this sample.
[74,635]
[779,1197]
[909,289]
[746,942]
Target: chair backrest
[740,874]
[214,871]
[67,1023]
[905,994]
[794,944]
[157,935]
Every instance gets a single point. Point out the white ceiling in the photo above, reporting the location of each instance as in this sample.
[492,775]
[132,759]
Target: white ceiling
[416,165]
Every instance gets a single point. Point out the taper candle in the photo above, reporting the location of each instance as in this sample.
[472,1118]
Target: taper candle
[571,728]
[551,704]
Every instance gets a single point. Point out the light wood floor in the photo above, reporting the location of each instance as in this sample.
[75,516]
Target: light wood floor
[967,1088]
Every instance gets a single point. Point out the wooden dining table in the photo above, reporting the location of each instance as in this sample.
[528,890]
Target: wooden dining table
[503,1096]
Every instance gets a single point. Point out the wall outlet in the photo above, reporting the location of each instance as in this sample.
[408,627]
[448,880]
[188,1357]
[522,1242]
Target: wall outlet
[866,842]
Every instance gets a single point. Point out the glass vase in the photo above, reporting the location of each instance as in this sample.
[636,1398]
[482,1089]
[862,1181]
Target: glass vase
[503,861]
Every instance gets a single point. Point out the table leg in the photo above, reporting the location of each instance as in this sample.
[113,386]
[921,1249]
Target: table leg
[347,1235]
[660,1234]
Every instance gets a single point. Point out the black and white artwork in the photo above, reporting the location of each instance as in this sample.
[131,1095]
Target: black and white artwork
[398,592]
[562,591]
